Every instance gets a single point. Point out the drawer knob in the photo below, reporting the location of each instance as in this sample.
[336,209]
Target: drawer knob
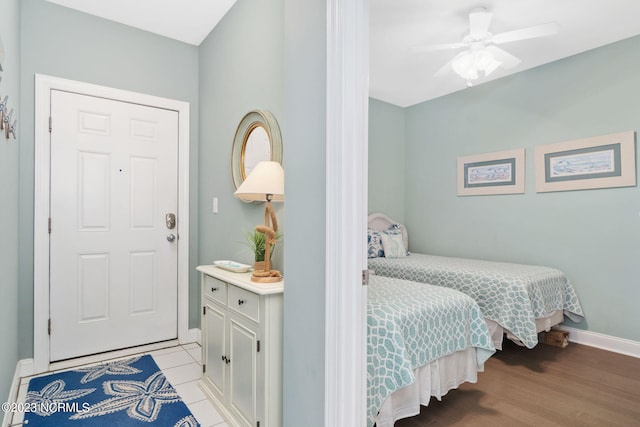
[214,289]
[241,301]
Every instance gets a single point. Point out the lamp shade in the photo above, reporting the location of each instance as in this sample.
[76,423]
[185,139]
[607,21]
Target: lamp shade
[265,178]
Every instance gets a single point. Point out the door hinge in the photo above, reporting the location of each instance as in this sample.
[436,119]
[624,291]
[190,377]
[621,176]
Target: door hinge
[204,368]
[49,326]
[49,225]
[365,277]
[258,424]
[204,310]
[50,122]
[258,346]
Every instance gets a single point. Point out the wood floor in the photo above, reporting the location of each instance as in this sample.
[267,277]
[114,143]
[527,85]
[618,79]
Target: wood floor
[545,386]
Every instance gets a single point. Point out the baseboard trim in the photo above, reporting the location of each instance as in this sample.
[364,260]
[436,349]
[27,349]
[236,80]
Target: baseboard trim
[24,368]
[605,342]
[193,335]
[13,393]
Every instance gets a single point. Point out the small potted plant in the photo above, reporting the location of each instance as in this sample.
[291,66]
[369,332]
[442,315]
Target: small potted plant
[255,241]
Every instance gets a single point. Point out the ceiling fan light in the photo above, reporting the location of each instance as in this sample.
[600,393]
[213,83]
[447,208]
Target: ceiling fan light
[464,66]
[469,63]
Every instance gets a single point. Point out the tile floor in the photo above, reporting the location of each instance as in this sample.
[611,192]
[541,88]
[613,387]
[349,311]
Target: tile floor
[182,367]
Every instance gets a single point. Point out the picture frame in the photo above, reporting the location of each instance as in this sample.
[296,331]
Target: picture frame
[491,173]
[604,161]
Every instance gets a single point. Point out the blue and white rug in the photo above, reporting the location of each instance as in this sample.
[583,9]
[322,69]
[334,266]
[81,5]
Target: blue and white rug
[131,392]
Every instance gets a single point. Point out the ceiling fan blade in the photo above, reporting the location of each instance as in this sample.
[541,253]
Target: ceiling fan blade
[433,47]
[541,30]
[445,69]
[479,21]
[507,59]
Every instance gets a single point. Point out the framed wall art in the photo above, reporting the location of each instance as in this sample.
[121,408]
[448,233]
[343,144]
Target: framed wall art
[491,173]
[598,162]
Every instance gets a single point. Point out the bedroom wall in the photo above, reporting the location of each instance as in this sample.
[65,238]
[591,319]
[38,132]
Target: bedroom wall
[9,193]
[592,235]
[386,159]
[64,43]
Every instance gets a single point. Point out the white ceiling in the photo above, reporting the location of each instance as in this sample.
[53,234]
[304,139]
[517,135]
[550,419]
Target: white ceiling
[396,74]
[402,77]
[188,21]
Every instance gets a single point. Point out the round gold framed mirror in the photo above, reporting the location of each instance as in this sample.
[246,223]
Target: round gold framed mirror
[257,139]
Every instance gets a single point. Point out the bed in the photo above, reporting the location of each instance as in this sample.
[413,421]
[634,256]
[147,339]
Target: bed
[422,341]
[517,300]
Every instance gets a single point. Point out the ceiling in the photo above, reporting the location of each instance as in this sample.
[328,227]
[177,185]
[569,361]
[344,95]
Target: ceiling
[402,77]
[189,21]
[397,74]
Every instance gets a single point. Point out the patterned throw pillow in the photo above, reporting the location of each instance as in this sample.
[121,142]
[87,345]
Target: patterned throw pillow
[374,240]
[393,245]
[395,242]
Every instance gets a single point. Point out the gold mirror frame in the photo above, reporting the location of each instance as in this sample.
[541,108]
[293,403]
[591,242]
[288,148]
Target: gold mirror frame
[252,120]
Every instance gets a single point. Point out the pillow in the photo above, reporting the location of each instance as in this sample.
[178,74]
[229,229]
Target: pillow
[393,245]
[374,241]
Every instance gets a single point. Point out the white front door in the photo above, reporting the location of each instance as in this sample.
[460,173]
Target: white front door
[113,264]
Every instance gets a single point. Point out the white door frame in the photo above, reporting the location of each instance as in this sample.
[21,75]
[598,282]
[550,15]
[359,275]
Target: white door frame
[346,212]
[43,86]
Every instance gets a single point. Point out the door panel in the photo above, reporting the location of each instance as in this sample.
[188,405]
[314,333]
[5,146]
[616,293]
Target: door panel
[114,174]
[93,191]
[214,328]
[143,178]
[143,279]
[243,376]
[93,287]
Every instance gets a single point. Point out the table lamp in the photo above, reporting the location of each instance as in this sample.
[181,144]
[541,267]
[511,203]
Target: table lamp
[265,183]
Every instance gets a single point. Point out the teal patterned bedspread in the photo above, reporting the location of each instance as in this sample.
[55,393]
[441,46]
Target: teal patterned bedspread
[412,324]
[514,295]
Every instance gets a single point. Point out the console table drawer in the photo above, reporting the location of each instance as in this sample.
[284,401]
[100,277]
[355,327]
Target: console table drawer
[245,302]
[215,289]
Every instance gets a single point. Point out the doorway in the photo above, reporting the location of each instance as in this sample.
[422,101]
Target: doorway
[110,271]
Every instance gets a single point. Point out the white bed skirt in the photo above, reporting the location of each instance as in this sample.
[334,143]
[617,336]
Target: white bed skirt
[542,324]
[434,379]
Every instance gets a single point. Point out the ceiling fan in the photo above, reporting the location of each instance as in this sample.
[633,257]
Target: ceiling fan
[481,55]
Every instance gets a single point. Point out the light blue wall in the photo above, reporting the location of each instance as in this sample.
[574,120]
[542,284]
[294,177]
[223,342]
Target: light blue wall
[386,159]
[240,71]
[60,42]
[592,235]
[9,215]
[278,66]
[305,90]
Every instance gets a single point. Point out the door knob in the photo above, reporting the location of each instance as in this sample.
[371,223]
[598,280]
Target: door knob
[171,237]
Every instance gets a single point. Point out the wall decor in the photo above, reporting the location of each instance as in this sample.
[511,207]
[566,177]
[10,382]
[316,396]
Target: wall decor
[598,162]
[8,125]
[491,173]
[1,54]
[257,139]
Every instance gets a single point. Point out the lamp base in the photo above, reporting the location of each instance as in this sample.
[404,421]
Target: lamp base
[266,279]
